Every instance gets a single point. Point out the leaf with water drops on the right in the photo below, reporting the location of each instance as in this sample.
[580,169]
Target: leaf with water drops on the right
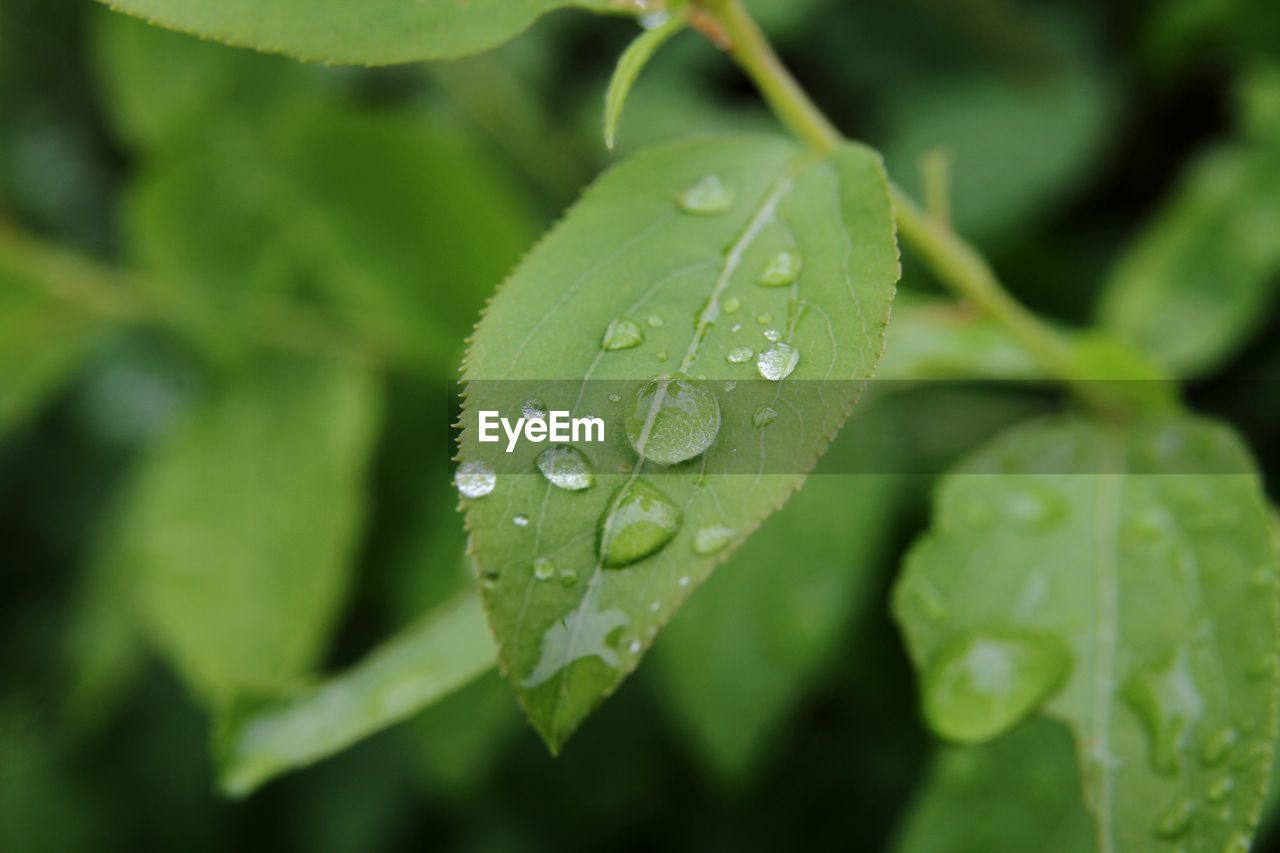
[718,392]
[1122,580]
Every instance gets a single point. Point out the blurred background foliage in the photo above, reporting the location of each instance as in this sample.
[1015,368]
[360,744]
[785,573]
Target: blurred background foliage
[233,290]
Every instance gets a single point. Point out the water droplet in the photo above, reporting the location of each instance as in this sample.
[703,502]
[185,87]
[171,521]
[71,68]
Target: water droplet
[621,334]
[772,335]
[544,569]
[736,327]
[732,304]
[1033,507]
[1176,819]
[534,410]
[777,361]
[707,197]
[981,684]
[640,521]
[764,416]
[740,355]
[1217,745]
[684,581]
[653,20]
[655,322]
[662,355]
[655,606]
[568,577]
[634,648]
[764,319]
[583,633]
[567,468]
[475,479]
[1166,699]
[782,270]
[671,419]
[729,385]
[712,540]
[520,521]
[1219,789]
[615,398]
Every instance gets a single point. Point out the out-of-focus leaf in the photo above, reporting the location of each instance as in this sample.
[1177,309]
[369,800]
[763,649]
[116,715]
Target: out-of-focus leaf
[241,527]
[1123,581]
[1198,279]
[260,739]
[1020,792]
[370,33]
[458,739]
[43,806]
[938,339]
[630,64]
[1258,94]
[680,234]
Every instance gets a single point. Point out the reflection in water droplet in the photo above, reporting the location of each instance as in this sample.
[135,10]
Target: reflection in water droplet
[520,521]
[1219,789]
[707,197]
[1169,703]
[584,633]
[782,270]
[475,479]
[764,416]
[740,355]
[655,322]
[772,335]
[567,468]
[621,334]
[544,569]
[1217,745]
[982,683]
[777,361]
[732,304]
[712,540]
[534,410]
[1176,819]
[640,521]
[672,419]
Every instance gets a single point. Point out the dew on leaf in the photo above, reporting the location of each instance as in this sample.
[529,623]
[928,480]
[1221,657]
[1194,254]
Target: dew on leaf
[520,520]
[1034,507]
[732,304]
[671,419]
[566,468]
[684,581]
[584,633]
[639,522]
[764,416]
[777,361]
[655,606]
[654,321]
[982,683]
[740,355]
[1217,745]
[634,648]
[736,327]
[708,197]
[543,569]
[1176,820]
[783,269]
[475,479]
[712,540]
[662,355]
[772,335]
[534,410]
[568,577]
[1168,702]
[615,398]
[621,334]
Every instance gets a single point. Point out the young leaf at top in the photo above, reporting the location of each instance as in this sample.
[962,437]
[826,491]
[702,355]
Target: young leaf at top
[1121,580]
[631,63]
[374,32]
[755,278]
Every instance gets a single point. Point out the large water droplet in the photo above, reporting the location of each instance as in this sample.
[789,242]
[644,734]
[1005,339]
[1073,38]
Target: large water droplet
[783,269]
[475,479]
[640,521]
[534,410]
[777,361]
[543,569]
[707,197]
[621,334]
[1176,820]
[764,416]
[1217,745]
[712,540]
[740,355]
[1169,703]
[566,468]
[584,633]
[981,684]
[671,419]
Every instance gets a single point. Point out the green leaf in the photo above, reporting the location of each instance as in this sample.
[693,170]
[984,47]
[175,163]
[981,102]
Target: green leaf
[380,32]
[258,740]
[1122,581]
[1197,281]
[241,527]
[668,248]
[630,64]
[938,339]
[1020,792]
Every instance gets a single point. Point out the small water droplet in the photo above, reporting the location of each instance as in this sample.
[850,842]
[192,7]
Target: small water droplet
[621,334]
[534,410]
[729,385]
[543,569]
[772,335]
[982,683]
[653,20]
[777,361]
[764,319]
[662,355]
[568,577]
[520,521]
[684,580]
[1033,507]
[475,479]
[736,327]
[634,648]
[566,468]
[671,419]
[740,355]
[1167,700]
[708,197]
[655,606]
[1219,789]
[783,269]
[655,322]
[1176,820]
[489,580]
[732,304]
[764,416]
[640,521]
[615,398]
[1217,745]
[712,540]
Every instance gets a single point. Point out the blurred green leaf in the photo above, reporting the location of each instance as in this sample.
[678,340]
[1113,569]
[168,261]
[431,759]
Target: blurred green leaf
[1125,581]
[938,339]
[260,739]
[673,234]
[382,33]
[458,739]
[1020,792]
[1196,282]
[630,64]
[241,526]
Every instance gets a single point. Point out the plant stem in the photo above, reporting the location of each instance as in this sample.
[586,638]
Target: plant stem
[954,261]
